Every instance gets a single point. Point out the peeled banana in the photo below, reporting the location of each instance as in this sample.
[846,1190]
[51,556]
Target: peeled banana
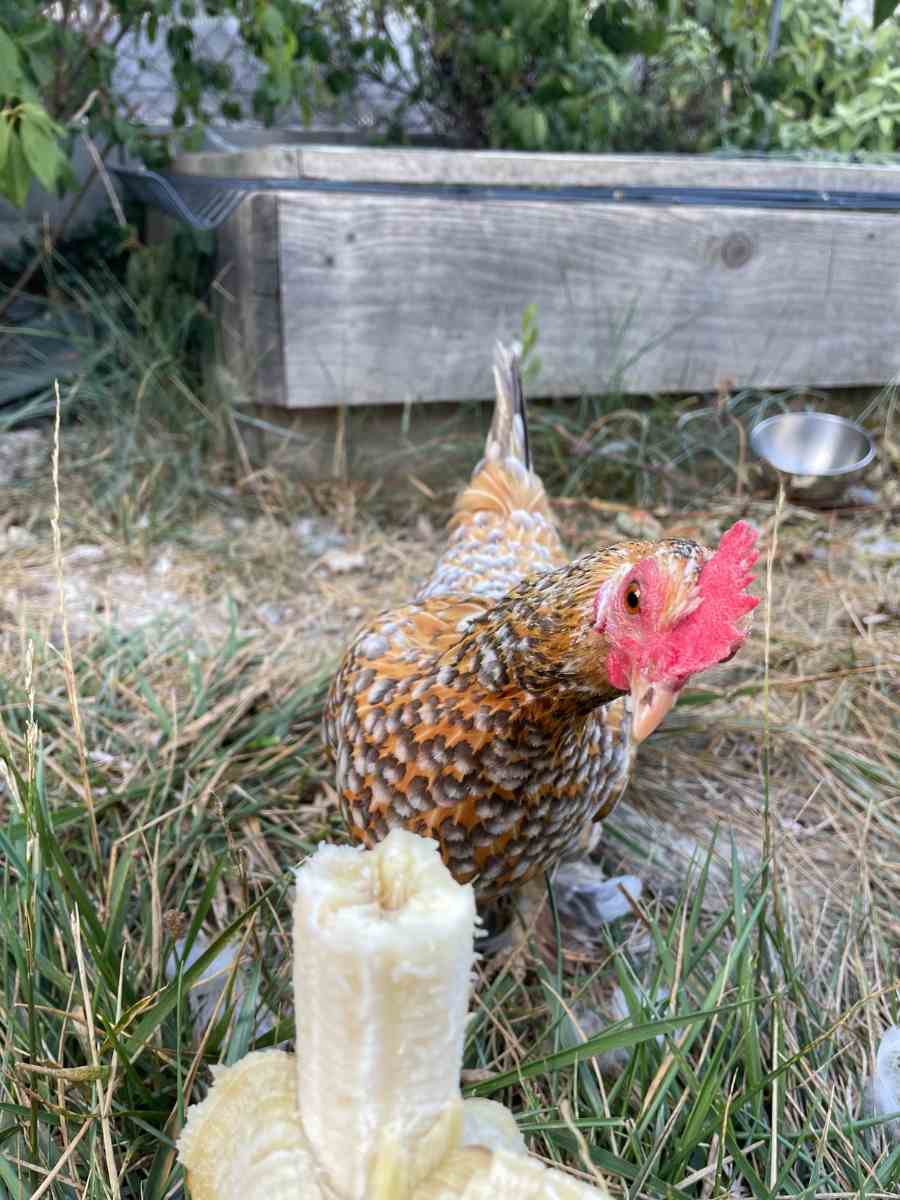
[370,1106]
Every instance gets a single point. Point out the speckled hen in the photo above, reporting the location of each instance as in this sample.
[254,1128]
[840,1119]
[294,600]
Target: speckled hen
[498,712]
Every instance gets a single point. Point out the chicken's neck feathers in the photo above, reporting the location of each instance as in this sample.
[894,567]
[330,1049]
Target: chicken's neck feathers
[539,643]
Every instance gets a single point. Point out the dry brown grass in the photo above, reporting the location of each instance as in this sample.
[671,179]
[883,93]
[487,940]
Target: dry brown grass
[200,652]
[265,562]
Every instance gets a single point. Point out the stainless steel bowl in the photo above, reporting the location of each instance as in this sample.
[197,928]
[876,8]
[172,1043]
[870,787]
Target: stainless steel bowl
[821,454]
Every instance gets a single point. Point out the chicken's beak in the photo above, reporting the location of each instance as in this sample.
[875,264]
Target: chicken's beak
[649,703]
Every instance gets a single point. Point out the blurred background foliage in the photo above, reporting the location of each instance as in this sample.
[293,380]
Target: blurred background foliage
[556,75]
[640,75]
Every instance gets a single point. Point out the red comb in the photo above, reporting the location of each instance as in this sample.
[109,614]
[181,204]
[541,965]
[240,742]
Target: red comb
[731,567]
[713,630]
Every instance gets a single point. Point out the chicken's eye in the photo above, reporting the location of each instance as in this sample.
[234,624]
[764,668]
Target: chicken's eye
[633,598]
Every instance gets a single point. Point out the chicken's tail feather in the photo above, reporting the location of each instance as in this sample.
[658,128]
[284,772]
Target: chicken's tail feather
[508,437]
[502,527]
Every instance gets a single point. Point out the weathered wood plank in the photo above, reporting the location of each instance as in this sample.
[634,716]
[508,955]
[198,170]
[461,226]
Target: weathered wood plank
[267,340]
[272,153]
[361,164]
[387,299]
[249,301]
[504,168]
[257,162]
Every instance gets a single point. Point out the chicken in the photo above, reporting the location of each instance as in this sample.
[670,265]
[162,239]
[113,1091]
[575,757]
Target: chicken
[499,711]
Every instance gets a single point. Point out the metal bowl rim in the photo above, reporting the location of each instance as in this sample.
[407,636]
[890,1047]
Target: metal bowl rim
[833,417]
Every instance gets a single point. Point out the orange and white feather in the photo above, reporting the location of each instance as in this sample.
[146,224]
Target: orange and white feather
[502,528]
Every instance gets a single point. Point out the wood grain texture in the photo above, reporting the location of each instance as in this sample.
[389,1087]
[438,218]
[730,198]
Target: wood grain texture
[273,153]
[404,165]
[252,162]
[249,300]
[360,164]
[388,299]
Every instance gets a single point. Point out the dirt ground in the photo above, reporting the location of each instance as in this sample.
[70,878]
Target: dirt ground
[299,581]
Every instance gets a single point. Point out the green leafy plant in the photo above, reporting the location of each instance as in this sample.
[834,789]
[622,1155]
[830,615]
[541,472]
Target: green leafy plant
[30,140]
[569,75]
[883,10]
[628,75]
[57,76]
[836,84]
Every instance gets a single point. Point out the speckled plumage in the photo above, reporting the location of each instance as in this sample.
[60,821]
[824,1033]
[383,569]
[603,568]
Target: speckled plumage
[481,714]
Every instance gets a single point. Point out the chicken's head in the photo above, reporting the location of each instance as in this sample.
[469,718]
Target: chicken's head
[672,609]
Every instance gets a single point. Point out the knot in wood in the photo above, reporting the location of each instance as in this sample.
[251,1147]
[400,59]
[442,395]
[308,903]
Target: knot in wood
[737,249]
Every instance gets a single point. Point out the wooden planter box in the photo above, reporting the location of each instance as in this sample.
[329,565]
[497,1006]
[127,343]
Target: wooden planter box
[383,276]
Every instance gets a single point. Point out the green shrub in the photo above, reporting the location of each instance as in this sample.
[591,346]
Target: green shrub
[641,75]
[837,86]
[567,75]
[31,142]
[56,76]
